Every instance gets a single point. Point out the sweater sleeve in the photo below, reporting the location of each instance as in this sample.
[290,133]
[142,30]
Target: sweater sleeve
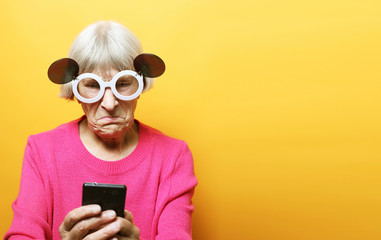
[31,219]
[176,216]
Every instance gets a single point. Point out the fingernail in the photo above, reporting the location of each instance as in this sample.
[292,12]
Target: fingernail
[95,208]
[109,213]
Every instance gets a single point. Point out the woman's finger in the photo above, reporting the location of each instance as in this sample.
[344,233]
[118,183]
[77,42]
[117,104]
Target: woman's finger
[128,216]
[89,225]
[128,228]
[74,216]
[109,231]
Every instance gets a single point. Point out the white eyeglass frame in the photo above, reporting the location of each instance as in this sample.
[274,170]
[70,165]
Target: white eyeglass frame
[111,84]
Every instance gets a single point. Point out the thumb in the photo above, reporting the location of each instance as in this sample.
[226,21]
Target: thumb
[128,216]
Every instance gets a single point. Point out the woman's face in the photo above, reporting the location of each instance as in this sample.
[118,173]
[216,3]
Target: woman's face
[110,117]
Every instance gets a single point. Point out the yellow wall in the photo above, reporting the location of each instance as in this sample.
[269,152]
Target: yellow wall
[278,100]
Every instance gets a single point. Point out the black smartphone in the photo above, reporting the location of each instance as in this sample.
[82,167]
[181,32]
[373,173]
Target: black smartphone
[108,196]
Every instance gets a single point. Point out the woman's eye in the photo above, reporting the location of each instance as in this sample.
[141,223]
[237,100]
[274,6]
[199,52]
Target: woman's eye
[123,84]
[92,85]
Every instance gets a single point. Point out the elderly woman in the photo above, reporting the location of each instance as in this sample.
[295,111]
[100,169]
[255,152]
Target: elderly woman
[106,72]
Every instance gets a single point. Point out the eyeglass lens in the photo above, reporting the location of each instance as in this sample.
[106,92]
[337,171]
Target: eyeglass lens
[88,88]
[126,86]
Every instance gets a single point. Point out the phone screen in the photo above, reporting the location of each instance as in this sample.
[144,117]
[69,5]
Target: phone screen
[108,196]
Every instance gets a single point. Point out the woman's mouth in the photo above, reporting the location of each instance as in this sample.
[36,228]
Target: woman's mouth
[110,119]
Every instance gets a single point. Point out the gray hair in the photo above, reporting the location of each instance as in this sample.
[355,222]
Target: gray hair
[104,45]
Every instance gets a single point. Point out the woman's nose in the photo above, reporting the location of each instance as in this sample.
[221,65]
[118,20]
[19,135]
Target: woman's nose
[109,101]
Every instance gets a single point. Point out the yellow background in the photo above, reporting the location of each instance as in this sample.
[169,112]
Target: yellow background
[278,100]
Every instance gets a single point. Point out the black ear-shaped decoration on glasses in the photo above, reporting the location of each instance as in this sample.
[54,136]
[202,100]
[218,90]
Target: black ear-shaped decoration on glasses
[63,71]
[149,65]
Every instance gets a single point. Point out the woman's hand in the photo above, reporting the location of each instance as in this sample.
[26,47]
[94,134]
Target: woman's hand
[88,222]
[128,230]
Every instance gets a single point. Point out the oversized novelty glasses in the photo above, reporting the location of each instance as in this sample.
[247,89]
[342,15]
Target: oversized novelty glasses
[89,88]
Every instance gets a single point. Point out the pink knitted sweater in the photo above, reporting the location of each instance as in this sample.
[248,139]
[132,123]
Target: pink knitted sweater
[158,174]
